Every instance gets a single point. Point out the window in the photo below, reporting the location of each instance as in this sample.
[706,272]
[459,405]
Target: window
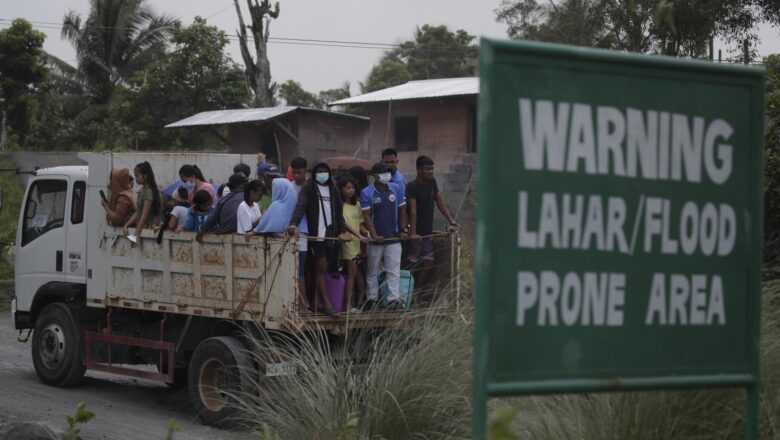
[406,133]
[326,141]
[77,203]
[44,208]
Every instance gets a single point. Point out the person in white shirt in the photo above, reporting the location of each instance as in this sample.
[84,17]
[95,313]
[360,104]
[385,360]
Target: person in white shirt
[248,215]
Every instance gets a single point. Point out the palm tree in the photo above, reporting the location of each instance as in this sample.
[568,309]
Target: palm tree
[117,39]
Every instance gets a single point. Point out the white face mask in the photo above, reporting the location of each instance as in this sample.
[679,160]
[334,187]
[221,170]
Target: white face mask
[385,177]
[322,177]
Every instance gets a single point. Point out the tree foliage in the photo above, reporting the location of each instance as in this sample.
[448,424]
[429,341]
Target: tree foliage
[293,93]
[22,71]
[772,159]
[435,52]
[677,28]
[196,75]
[116,39]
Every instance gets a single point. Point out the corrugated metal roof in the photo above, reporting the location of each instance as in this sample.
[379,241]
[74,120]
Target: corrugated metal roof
[429,88]
[237,116]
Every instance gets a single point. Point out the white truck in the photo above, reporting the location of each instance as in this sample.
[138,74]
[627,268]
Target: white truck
[94,301]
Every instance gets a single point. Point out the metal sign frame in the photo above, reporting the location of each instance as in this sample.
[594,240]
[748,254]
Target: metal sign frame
[496,54]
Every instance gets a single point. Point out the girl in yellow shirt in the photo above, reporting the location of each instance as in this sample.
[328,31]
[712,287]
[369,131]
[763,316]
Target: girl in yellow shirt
[349,252]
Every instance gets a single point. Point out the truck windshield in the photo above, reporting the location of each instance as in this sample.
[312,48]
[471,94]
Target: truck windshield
[44,208]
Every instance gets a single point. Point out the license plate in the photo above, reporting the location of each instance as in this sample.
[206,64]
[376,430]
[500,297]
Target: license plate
[280,369]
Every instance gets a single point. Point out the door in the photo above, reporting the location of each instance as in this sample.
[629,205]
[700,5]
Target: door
[41,238]
[76,241]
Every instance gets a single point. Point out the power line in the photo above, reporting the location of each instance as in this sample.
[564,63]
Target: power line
[219,12]
[319,42]
[312,42]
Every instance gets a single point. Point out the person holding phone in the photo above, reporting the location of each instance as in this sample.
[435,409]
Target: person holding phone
[121,206]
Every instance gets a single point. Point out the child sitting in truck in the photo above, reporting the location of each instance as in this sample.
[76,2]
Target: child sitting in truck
[199,212]
[148,207]
[276,218]
[248,215]
[179,209]
[349,252]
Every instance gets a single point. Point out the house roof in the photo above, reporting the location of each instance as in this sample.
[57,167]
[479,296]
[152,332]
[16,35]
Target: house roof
[429,88]
[248,115]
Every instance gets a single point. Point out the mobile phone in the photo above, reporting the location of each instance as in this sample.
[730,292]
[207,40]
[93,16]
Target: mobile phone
[103,196]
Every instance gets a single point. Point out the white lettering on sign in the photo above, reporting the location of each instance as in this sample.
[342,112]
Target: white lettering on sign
[595,222]
[589,299]
[686,300]
[573,221]
[633,143]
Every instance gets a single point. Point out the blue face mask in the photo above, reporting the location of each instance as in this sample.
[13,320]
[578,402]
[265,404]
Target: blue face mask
[322,177]
[189,186]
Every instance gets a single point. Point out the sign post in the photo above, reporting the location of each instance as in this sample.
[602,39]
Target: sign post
[619,224]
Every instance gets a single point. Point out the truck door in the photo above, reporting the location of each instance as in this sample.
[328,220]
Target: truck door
[41,238]
[76,242]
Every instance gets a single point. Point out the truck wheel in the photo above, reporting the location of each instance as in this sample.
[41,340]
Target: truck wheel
[56,347]
[220,370]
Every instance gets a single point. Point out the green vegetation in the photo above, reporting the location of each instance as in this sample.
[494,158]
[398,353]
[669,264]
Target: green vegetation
[653,415]
[410,382]
[21,71]
[292,93]
[681,28]
[13,192]
[82,416]
[416,383]
[435,52]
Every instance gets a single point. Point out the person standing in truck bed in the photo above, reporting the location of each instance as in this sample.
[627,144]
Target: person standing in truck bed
[320,202]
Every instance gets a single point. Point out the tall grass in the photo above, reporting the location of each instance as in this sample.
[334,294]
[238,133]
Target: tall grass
[414,382]
[408,382]
[654,415]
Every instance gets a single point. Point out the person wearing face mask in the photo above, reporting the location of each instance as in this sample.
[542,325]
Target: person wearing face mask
[390,159]
[320,203]
[195,181]
[383,206]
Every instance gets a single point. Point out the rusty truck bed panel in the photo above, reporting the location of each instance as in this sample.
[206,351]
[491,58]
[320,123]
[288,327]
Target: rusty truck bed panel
[242,278]
[228,276]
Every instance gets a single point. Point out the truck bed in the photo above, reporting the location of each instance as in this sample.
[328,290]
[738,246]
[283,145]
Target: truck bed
[223,276]
[233,277]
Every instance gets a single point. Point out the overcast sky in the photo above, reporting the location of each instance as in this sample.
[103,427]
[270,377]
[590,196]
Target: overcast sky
[316,67]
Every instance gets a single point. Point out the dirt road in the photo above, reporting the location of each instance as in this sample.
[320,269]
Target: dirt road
[124,408]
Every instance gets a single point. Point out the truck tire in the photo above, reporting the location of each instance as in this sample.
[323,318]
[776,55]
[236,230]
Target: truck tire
[219,371]
[56,347]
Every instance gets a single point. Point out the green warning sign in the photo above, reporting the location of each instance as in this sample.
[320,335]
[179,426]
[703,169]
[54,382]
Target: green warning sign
[619,221]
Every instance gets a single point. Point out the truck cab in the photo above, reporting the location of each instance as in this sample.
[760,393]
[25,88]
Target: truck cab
[50,249]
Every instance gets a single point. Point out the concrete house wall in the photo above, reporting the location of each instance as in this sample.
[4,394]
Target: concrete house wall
[445,130]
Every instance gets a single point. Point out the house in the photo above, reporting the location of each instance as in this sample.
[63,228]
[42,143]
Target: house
[283,133]
[436,118]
